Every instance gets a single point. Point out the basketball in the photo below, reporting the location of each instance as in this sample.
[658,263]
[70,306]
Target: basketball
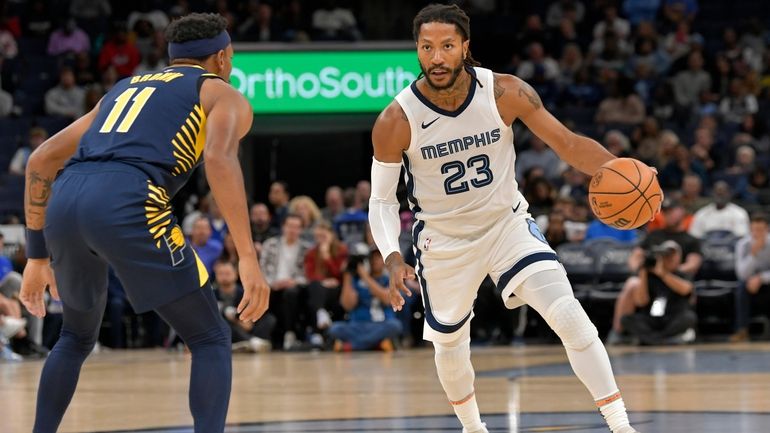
[624,193]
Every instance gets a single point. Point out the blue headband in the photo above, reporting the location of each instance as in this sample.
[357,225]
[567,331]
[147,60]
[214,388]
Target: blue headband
[198,48]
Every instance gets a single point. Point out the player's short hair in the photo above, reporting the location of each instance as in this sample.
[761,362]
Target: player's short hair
[195,26]
[447,14]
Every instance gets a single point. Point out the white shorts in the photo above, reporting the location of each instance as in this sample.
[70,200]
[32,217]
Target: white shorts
[450,269]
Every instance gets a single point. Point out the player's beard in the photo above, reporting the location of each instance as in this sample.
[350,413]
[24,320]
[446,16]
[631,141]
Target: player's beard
[452,79]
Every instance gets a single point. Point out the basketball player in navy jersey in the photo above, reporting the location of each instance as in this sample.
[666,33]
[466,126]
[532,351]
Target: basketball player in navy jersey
[451,131]
[110,206]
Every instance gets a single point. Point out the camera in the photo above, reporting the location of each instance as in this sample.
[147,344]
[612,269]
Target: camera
[359,254]
[651,257]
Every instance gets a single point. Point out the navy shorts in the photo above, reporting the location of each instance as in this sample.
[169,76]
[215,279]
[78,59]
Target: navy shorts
[110,214]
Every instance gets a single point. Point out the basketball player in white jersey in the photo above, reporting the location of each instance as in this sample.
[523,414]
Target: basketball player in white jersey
[451,131]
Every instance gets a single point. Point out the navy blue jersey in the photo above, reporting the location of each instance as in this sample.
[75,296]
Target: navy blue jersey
[154,122]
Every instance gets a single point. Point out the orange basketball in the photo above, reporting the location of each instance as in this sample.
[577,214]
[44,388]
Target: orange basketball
[624,193]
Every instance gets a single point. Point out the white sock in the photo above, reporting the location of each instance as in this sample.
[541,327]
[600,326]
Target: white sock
[453,365]
[468,413]
[613,410]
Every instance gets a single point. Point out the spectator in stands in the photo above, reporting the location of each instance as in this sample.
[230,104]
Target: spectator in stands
[84,71]
[692,194]
[680,10]
[119,52]
[363,193]
[352,226]
[617,143]
[759,186]
[752,267]
[308,211]
[335,205]
[8,47]
[646,52]
[583,91]
[144,36]
[18,163]
[638,11]
[737,103]
[218,224]
[572,10]
[689,263]
[540,195]
[91,14]
[260,223]
[570,63]
[532,31]
[681,164]
[689,84]
[208,249]
[622,106]
[575,184]
[538,63]
[144,11]
[566,34]
[67,99]
[556,233]
[6,102]
[612,22]
[68,38]
[539,155]
[663,294]
[599,230]
[720,215]
[646,138]
[259,25]
[609,53]
[153,61]
[283,265]
[246,336]
[294,22]
[332,22]
[37,20]
[324,265]
[703,150]
[279,197]
[371,322]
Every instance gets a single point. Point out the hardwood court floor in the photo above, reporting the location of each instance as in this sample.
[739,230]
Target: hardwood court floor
[712,388]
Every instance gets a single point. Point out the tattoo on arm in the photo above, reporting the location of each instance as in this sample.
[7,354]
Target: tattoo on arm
[527,91]
[499,89]
[39,191]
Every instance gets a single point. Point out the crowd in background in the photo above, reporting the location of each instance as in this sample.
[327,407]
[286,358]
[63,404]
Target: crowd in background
[666,81]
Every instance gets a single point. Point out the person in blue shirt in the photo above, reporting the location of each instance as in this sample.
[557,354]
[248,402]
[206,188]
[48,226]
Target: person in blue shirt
[597,229]
[371,324]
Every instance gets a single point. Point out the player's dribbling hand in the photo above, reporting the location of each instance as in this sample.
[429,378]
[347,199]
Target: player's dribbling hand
[37,276]
[399,271]
[256,291]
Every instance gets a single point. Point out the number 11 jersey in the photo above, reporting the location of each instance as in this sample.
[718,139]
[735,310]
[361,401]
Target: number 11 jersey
[154,122]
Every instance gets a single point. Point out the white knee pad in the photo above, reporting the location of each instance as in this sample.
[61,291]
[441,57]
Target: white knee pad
[571,323]
[453,362]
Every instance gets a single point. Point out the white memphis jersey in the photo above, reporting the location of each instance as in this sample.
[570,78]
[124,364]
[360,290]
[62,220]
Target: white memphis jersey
[460,172]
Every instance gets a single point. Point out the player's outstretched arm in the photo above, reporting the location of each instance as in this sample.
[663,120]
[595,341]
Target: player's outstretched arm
[41,170]
[390,137]
[229,118]
[517,99]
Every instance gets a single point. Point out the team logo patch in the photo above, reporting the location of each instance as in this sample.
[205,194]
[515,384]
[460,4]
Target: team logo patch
[175,243]
[535,231]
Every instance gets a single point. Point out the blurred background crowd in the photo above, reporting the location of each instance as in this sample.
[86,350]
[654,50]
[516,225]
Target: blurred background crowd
[683,85]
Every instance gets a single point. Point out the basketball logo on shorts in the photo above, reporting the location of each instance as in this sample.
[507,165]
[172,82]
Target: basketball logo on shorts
[535,231]
[175,243]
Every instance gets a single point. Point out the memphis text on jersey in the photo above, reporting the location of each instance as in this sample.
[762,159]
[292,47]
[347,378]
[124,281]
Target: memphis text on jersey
[461,144]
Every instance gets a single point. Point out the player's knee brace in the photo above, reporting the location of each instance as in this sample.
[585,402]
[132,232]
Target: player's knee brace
[571,323]
[453,362]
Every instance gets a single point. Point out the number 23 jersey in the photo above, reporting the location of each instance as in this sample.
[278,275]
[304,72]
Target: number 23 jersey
[153,121]
[460,174]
